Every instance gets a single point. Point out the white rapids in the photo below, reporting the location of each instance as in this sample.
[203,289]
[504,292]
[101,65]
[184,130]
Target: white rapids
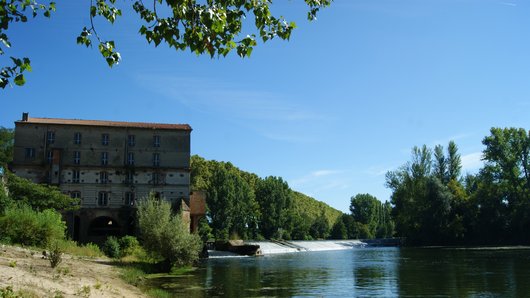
[278,247]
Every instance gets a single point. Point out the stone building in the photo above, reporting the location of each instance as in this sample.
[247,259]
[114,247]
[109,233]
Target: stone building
[108,165]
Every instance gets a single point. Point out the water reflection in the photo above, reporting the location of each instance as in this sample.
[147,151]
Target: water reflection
[464,272]
[361,272]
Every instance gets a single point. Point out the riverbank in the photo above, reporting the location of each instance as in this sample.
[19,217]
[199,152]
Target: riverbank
[26,272]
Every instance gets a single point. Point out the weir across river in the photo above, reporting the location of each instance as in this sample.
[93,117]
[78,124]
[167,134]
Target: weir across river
[283,246]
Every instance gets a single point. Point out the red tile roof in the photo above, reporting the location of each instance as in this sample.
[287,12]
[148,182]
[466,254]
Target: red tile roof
[33,120]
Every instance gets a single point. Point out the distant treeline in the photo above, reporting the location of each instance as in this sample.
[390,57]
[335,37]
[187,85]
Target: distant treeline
[433,204]
[244,206]
[241,205]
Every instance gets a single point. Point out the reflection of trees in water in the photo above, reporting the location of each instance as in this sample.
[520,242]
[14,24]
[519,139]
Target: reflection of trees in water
[380,272]
[280,276]
[464,272]
[366,277]
[242,277]
[374,271]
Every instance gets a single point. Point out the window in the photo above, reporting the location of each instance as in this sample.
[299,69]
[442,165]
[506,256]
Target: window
[156,141]
[131,140]
[155,178]
[105,139]
[103,198]
[130,158]
[77,157]
[49,156]
[130,177]
[104,158]
[129,198]
[75,176]
[77,138]
[103,177]
[51,137]
[156,159]
[29,153]
[76,195]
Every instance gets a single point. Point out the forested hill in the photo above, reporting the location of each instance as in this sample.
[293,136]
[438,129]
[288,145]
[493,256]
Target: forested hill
[305,205]
[246,206]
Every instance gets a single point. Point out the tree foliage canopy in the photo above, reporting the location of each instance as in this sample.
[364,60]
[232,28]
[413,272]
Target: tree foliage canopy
[165,235]
[243,205]
[38,196]
[426,207]
[7,141]
[212,27]
[442,207]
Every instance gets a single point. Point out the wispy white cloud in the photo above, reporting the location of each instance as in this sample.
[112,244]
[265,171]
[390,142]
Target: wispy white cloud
[207,96]
[446,141]
[263,110]
[321,173]
[313,176]
[508,3]
[472,161]
[523,103]
[288,137]
[379,170]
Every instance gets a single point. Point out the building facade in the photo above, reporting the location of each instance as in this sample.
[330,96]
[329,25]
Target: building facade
[108,165]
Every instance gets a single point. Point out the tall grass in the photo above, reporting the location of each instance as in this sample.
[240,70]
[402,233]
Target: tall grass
[87,250]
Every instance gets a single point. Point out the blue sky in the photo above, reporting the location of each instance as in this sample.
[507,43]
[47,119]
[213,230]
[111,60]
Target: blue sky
[330,111]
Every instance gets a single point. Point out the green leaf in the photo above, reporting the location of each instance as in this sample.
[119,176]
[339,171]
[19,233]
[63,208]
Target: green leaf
[20,80]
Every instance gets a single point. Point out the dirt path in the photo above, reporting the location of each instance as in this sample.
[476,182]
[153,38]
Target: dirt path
[26,270]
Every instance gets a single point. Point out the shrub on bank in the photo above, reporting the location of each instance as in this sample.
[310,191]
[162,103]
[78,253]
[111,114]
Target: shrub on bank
[122,247]
[165,235]
[55,254]
[111,247]
[23,225]
[129,246]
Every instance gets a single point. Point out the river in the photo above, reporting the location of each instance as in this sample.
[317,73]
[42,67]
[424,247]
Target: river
[362,272]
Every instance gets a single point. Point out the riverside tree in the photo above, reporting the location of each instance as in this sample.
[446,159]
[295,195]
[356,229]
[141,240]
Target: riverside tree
[275,200]
[164,234]
[503,190]
[7,141]
[212,27]
[427,197]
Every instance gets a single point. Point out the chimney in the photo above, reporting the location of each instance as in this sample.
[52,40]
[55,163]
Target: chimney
[25,116]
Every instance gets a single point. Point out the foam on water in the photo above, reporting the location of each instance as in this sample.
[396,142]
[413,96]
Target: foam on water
[213,254]
[268,247]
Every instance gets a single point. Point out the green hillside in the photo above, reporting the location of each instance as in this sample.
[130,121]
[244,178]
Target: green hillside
[243,205]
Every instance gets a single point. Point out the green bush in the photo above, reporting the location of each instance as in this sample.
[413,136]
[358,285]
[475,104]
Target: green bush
[165,235]
[22,225]
[111,247]
[122,247]
[5,201]
[55,254]
[128,245]
[38,196]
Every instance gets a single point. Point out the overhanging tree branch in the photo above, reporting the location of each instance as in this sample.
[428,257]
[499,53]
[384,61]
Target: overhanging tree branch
[213,27]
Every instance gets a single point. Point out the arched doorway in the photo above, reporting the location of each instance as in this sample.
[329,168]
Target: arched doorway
[102,227]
